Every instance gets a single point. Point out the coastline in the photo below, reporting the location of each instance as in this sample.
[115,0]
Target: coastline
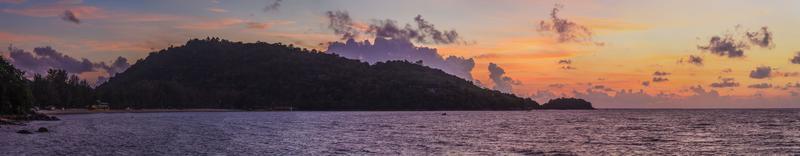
[86,111]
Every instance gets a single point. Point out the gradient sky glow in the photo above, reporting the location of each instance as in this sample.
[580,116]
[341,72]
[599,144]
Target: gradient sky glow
[639,38]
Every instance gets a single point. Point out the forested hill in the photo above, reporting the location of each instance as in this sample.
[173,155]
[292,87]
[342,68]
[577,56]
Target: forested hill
[214,73]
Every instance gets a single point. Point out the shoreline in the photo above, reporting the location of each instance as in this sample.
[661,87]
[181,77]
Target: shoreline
[86,111]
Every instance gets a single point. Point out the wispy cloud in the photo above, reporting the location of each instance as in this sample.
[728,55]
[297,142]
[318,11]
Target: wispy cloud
[217,10]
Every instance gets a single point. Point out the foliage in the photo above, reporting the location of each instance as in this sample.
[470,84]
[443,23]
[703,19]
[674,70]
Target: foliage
[15,97]
[59,89]
[214,73]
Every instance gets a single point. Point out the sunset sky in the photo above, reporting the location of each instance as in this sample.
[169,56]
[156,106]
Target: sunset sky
[614,45]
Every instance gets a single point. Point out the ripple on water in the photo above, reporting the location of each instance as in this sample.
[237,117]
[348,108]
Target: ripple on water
[606,132]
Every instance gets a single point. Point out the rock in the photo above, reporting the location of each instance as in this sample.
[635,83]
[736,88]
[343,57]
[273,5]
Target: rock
[42,130]
[444,113]
[24,132]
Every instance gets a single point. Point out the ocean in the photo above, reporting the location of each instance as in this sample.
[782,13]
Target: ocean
[538,132]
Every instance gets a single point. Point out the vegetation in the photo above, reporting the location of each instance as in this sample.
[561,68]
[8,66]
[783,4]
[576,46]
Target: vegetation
[58,89]
[15,96]
[214,73]
[567,103]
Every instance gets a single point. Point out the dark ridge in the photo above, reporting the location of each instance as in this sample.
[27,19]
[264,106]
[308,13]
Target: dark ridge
[215,73]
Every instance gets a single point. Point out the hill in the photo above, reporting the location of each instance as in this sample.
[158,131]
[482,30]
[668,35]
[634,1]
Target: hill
[214,73]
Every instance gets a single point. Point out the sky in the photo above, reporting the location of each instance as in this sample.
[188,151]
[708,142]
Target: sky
[617,54]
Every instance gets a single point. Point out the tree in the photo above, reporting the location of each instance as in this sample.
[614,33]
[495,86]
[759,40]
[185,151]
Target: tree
[15,97]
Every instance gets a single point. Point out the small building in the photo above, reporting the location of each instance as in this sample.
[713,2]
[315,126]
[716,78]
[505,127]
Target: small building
[99,106]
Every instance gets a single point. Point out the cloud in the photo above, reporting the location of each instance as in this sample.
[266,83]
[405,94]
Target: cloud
[229,22]
[761,72]
[602,88]
[12,1]
[732,46]
[725,46]
[727,70]
[341,24]
[437,36]
[566,30]
[424,32]
[796,59]
[258,25]
[272,6]
[660,73]
[660,79]
[502,82]
[400,49]
[725,83]
[762,38]
[565,61]
[692,59]
[557,85]
[760,86]
[70,17]
[119,65]
[217,10]
[568,68]
[646,83]
[45,58]
[566,64]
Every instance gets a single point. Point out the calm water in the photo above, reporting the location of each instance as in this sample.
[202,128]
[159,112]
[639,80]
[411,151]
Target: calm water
[603,132]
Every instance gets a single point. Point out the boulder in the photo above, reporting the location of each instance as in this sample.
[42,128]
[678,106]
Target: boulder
[42,130]
[24,132]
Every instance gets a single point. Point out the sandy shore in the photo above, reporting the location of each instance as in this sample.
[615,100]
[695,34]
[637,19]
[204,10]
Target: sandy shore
[86,111]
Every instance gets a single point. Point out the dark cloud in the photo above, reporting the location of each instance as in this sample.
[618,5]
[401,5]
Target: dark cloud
[646,83]
[660,79]
[425,32]
[692,59]
[796,59]
[119,65]
[725,46]
[502,82]
[725,83]
[341,24]
[760,86]
[45,58]
[566,64]
[761,72]
[762,38]
[437,36]
[660,73]
[790,85]
[421,31]
[566,30]
[399,49]
[273,6]
[70,17]
[791,74]
[727,70]
[602,88]
[733,46]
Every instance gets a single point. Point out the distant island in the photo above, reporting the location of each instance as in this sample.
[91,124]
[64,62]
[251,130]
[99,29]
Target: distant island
[567,103]
[216,73]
